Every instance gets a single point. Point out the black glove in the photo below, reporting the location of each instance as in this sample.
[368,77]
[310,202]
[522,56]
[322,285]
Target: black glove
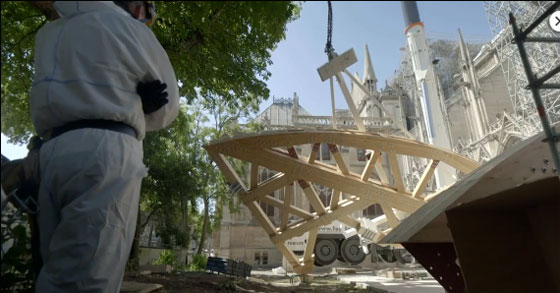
[153,95]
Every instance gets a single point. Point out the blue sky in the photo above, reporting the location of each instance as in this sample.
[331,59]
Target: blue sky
[380,25]
[355,23]
[12,151]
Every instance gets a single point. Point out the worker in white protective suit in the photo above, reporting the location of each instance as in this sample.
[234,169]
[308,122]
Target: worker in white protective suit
[101,81]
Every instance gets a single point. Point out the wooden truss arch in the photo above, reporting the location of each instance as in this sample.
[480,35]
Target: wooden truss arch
[276,151]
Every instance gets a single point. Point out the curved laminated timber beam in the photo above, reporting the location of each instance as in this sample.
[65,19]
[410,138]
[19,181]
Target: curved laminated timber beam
[276,151]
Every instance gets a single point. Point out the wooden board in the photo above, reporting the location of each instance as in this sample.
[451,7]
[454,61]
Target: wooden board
[507,171]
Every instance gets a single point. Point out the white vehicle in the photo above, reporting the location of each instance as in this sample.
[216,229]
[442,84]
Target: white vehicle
[338,241]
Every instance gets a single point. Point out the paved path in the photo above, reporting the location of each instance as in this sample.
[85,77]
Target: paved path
[367,279]
[393,285]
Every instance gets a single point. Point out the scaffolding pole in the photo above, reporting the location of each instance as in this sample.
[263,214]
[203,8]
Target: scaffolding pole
[535,84]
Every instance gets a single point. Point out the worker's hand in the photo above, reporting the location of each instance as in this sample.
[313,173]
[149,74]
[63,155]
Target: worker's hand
[153,95]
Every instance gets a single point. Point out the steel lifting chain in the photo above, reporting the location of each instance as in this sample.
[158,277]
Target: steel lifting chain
[328,47]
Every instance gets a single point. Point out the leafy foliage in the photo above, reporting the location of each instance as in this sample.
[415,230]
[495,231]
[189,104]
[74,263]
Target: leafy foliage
[20,22]
[223,48]
[198,263]
[166,257]
[17,273]
[171,184]
[220,52]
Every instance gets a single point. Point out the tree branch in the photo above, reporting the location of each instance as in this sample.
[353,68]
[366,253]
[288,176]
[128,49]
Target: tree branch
[47,8]
[143,225]
[20,20]
[22,65]
[197,38]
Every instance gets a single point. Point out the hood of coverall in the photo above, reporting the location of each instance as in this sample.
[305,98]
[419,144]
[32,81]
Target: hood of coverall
[70,8]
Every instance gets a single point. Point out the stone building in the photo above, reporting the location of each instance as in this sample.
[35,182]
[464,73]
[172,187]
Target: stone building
[485,106]
[240,236]
[481,99]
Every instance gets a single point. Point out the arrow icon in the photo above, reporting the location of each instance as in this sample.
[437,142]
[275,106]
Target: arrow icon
[554,21]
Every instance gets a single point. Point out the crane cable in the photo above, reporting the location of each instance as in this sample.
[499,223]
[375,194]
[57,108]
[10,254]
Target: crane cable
[328,46]
[330,54]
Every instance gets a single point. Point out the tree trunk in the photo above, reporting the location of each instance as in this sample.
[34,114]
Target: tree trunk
[185,226]
[151,233]
[204,225]
[133,263]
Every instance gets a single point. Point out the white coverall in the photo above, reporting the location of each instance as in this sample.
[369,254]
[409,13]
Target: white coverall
[87,66]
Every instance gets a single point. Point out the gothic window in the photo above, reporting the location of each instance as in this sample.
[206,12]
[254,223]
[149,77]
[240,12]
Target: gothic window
[325,199]
[268,209]
[281,193]
[409,123]
[264,258]
[373,211]
[257,258]
[361,153]
[325,153]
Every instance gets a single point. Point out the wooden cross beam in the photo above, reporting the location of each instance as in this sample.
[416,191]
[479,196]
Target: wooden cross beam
[361,140]
[396,171]
[288,195]
[326,177]
[421,186]
[338,158]
[265,150]
[273,183]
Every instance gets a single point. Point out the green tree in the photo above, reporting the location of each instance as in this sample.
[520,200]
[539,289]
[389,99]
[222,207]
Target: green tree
[171,188]
[220,52]
[20,23]
[224,116]
[218,49]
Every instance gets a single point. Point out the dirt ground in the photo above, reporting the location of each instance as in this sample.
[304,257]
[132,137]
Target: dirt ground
[205,282]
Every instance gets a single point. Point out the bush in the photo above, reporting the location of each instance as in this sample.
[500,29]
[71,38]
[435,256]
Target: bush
[17,263]
[198,262]
[166,257]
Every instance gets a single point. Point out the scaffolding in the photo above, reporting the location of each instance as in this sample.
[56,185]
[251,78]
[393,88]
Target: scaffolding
[542,56]
[536,83]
